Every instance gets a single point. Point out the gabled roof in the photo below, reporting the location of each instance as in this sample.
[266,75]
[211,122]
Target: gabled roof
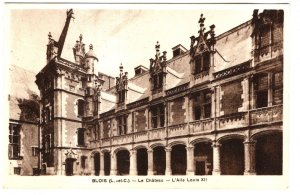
[22,82]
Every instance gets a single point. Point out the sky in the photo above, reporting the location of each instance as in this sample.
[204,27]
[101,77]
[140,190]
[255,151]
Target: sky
[124,35]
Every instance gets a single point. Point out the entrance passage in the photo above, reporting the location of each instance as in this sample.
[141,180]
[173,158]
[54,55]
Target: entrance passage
[203,155]
[159,160]
[232,157]
[142,161]
[106,163]
[69,166]
[178,160]
[97,163]
[269,155]
[123,162]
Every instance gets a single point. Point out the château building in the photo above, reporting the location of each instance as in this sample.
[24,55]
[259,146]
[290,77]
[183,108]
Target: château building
[23,134]
[213,109]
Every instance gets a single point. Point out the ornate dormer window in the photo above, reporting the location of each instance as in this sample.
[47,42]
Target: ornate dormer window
[158,70]
[201,49]
[267,32]
[121,86]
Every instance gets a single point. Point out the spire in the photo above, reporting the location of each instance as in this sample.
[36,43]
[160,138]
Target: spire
[64,32]
[201,22]
[79,50]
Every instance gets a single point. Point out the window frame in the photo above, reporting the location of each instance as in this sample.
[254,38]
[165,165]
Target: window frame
[157,116]
[202,62]
[80,107]
[122,125]
[202,104]
[81,137]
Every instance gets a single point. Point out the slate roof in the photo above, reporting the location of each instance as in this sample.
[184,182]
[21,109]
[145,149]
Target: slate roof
[21,85]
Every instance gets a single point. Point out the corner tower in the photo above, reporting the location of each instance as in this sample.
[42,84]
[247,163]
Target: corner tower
[69,102]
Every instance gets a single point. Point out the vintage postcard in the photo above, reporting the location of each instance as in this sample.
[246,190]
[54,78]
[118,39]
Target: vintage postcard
[146,96]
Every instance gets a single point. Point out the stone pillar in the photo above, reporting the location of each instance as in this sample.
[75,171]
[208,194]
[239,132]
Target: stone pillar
[216,159]
[168,161]
[249,149]
[92,167]
[101,164]
[150,162]
[133,167]
[190,160]
[113,164]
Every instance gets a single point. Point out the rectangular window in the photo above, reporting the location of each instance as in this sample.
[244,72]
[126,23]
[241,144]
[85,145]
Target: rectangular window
[207,104]
[17,170]
[202,105]
[157,80]
[83,161]
[121,95]
[202,62]
[83,82]
[80,107]
[262,91]
[122,125]
[14,141]
[34,151]
[158,116]
[47,144]
[80,137]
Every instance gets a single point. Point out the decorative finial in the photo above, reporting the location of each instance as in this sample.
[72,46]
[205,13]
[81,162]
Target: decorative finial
[121,68]
[91,46]
[49,35]
[157,46]
[201,22]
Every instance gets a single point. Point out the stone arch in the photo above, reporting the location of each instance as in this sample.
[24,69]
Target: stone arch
[140,147]
[265,132]
[231,136]
[152,146]
[268,152]
[232,155]
[199,140]
[105,151]
[177,143]
[116,150]
[122,155]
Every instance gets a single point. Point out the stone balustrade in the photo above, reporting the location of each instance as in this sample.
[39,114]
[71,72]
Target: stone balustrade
[202,125]
[266,115]
[178,130]
[236,120]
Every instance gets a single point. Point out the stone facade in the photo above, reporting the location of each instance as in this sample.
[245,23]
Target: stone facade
[204,111]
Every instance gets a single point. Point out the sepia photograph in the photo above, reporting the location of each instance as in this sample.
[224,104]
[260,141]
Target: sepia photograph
[146,94]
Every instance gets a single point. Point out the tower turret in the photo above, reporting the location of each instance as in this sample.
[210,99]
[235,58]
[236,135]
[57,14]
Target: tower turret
[90,58]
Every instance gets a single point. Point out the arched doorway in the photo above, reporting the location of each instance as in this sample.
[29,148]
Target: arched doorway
[232,157]
[142,161]
[268,154]
[178,160]
[69,166]
[123,162]
[159,160]
[97,163]
[106,163]
[203,155]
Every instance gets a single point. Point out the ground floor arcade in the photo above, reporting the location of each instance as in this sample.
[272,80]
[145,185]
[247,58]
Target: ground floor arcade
[232,155]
